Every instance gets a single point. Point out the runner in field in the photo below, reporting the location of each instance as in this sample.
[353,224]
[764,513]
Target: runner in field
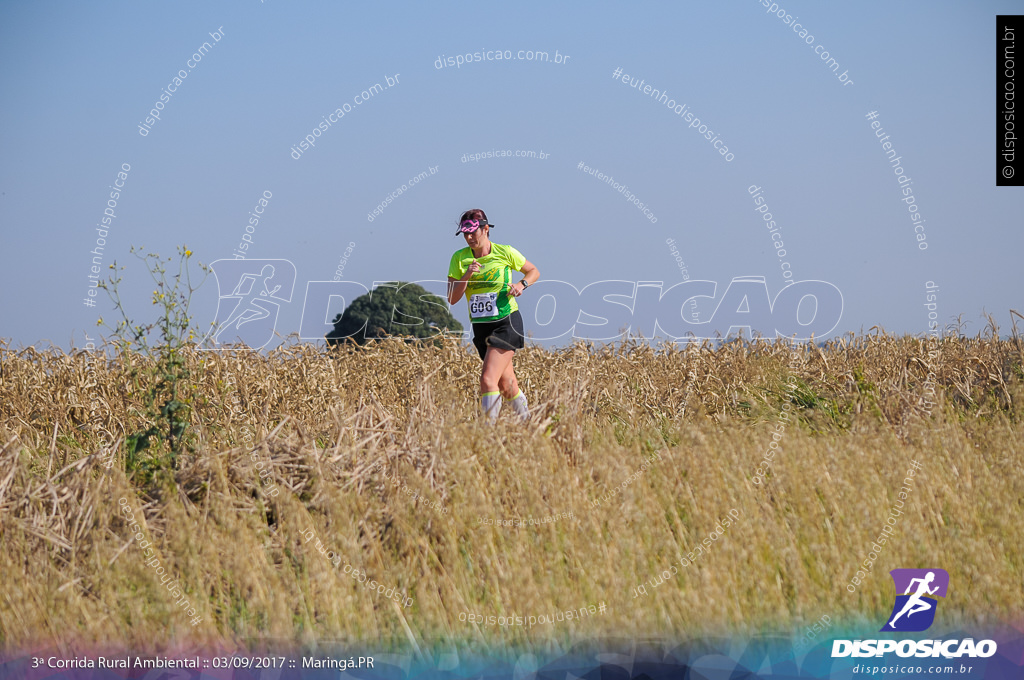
[483,272]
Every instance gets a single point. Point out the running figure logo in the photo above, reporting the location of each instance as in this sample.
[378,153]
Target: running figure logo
[914,610]
[248,314]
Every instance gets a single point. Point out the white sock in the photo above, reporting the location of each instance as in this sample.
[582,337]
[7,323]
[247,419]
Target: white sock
[490,404]
[519,404]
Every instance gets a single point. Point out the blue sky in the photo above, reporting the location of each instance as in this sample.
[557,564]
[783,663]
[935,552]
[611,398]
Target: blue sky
[77,79]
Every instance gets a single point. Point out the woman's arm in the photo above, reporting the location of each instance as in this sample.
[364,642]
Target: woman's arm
[456,289]
[530,274]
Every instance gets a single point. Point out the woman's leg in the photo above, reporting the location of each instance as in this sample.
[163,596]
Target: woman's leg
[509,387]
[496,361]
[507,384]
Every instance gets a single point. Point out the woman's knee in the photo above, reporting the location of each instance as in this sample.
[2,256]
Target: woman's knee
[489,381]
[496,366]
[507,383]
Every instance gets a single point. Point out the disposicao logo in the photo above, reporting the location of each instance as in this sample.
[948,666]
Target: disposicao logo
[917,591]
[915,611]
[248,314]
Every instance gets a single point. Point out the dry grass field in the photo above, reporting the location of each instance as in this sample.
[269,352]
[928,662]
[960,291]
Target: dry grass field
[378,456]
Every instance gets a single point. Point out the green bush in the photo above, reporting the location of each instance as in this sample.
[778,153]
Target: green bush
[394,309]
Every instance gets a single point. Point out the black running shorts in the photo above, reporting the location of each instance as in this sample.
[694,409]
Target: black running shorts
[504,333]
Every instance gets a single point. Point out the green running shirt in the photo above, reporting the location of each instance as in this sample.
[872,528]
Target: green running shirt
[487,290]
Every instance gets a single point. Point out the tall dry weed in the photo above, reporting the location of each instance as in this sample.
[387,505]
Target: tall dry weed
[379,451]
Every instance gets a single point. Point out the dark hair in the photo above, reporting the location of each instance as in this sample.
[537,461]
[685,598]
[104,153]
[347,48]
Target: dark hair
[475,214]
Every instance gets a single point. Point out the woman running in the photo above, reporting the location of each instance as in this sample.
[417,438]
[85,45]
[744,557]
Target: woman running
[483,272]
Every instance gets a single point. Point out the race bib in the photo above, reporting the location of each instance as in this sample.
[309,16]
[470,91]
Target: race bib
[483,305]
